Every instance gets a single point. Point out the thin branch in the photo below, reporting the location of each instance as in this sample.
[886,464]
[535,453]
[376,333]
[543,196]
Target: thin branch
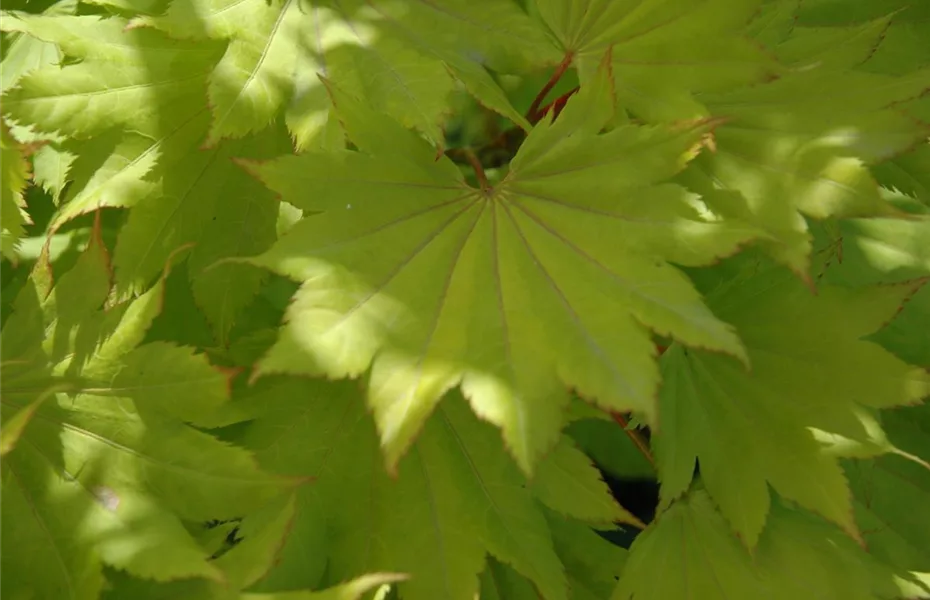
[635,437]
[533,115]
[479,170]
[558,103]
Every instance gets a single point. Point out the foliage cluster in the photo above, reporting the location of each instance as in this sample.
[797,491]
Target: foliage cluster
[325,299]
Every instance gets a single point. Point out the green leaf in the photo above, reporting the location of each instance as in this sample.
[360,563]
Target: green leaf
[752,430]
[301,560]
[833,47]
[355,589]
[715,227]
[891,493]
[177,196]
[801,555]
[891,249]
[498,581]
[663,53]
[15,169]
[568,483]
[23,53]
[470,37]
[506,290]
[593,565]
[908,173]
[257,76]
[351,590]
[41,512]
[898,336]
[51,166]
[611,448]
[107,472]
[789,139]
[456,495]
[154,74]
[689,553]
[263,534]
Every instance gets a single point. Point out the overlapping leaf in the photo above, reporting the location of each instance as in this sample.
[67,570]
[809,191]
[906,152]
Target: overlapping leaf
[898,336]
[554,274]
[664,52]
[138,78]
[552,278]
[374,49]
[593,565]
[788,150]
[779,157]
[355,589]
[183,195]
[881,250]
[139,88]
[15,171]
[892,496]
[107,472]
[205,200]
[690,553]
[24,53]
[753,429]
[456,497]
[908,173]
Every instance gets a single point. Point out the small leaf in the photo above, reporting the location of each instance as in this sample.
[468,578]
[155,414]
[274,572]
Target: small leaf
[13,213]
[568,483]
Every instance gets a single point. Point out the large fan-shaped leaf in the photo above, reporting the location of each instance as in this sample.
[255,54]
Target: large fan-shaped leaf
[551,278]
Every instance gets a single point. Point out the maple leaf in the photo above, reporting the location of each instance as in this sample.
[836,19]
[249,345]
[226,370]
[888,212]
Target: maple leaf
[699,558]
[568,483]
[908,173]
[552,278]
[592,564]
[122,586]
[159,168]
[690,553]
[611,448]
[24,53]
[664,53]
[788,139]
[881,250]
[456,495]
[205,200]
[498,581]
[15,170]
[154,75]
[540,291]
[370,48]
[758,428]
[898,336]
[802,46]
[117,72]
[890,495]
[106,472]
